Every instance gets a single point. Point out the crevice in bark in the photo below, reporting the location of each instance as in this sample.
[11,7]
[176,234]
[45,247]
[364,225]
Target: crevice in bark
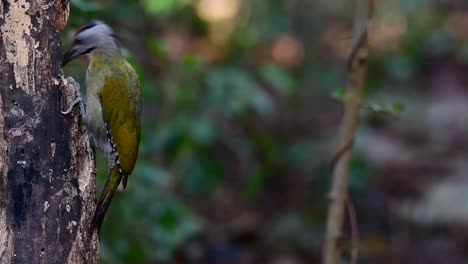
[47,171]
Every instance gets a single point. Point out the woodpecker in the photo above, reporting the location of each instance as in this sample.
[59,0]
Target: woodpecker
[112,112]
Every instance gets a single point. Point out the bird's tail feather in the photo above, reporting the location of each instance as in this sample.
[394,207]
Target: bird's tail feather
[113,181]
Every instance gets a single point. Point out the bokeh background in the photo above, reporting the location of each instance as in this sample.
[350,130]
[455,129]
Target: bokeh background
[241,113]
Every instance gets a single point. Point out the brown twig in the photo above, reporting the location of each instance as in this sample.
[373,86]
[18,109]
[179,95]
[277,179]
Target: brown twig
[357,66]
[354,232]
[340,152]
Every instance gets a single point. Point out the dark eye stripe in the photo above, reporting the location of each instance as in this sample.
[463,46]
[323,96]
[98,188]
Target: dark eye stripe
[89,50]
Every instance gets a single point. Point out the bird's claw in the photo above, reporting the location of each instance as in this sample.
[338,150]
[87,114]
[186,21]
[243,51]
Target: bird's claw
[78,99]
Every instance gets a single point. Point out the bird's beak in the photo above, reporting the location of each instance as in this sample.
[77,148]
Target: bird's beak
[70,55]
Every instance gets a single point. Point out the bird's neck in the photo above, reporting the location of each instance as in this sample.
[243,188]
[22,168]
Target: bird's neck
[104,56]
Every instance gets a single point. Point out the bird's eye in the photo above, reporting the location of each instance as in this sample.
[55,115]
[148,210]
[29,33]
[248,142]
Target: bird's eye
[78,41]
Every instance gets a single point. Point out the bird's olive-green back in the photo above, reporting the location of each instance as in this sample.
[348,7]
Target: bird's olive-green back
[121,109]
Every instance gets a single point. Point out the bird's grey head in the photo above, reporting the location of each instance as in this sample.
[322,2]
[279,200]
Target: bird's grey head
[92,37]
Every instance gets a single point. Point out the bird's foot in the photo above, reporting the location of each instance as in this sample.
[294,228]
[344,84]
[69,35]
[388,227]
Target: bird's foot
[78,99]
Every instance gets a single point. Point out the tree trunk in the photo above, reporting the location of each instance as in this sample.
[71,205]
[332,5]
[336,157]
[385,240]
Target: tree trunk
[47,171]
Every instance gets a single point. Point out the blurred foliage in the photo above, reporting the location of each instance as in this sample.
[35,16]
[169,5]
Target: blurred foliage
[242,108]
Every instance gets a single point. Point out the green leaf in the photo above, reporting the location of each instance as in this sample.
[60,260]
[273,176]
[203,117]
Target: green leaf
[255,185]
[164,7]
[392,110]
[281,80]
[398,108]
[157,47]
[339,93]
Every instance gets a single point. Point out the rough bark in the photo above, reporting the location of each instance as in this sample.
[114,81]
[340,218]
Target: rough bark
[47,183]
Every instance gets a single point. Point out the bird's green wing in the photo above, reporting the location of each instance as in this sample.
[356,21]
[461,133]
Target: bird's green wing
[121,108]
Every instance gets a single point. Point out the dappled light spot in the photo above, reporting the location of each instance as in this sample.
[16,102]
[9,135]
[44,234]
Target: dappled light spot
[214,11]
[288,51]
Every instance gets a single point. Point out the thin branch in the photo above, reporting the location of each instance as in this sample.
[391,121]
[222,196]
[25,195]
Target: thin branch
[340,152]
[354,232]
[357,66]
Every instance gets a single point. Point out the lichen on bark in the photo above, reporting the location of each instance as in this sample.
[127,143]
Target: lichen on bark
[47,183]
